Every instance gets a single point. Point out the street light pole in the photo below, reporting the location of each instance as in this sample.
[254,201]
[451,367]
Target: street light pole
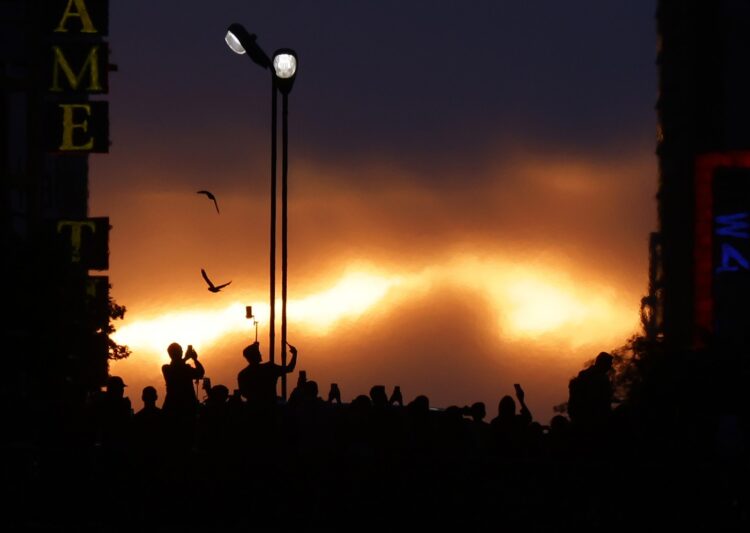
[241,42]
[285,68]
[272,265]
[284,218]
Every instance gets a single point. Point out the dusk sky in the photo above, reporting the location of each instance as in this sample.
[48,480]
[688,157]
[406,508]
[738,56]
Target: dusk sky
[471,189]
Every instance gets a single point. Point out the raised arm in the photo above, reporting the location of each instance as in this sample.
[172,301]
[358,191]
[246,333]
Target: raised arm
[293,362]
[521,396]
[198,370]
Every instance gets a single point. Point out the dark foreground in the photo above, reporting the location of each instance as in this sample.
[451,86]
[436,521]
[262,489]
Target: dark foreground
[364,465]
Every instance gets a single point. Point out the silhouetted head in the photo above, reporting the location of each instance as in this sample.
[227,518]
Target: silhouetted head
[558,425]
[175,352]
[361,405]
[419,405]
[536,431]
[311,389]
[603,361]
[115,386]
[149,395]
[507,407]
[478,411]
[378,396]
[452,413]
[218,394]
[252,353]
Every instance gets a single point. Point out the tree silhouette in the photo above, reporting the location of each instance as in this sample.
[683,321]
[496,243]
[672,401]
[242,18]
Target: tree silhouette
[116,312]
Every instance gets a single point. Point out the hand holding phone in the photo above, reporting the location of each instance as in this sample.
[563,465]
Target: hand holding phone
[334,393]
[396,397]
[519,392]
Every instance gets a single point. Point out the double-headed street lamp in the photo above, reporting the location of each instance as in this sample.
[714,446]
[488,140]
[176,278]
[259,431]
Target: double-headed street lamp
[283,70]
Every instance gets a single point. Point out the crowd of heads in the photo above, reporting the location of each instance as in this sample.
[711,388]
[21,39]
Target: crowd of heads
[385,453]
[254,417]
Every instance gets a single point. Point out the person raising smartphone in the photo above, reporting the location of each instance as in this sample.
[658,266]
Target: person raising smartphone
[257,381]
[180,400]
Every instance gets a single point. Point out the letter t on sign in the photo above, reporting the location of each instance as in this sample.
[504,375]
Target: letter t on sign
[75,235]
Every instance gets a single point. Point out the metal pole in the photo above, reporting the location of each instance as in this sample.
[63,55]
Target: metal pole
[284,169]
[272,322]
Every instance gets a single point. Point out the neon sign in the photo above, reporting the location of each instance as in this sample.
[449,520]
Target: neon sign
[722,247]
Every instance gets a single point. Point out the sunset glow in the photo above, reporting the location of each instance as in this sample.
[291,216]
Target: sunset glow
[528,303]
[317,313]
[437,280]
[352,296]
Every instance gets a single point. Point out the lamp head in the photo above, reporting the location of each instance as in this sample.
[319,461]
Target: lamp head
[240,42]
[285,68]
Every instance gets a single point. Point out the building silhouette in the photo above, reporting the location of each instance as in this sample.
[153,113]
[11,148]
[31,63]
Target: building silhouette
[699,273]
[54,65]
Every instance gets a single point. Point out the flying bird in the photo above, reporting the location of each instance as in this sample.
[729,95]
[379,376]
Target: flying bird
[210,196]
[211,286]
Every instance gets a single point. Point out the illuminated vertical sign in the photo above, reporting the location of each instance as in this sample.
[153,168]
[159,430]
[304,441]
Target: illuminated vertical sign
[722,248]
[731,254]
[77,66]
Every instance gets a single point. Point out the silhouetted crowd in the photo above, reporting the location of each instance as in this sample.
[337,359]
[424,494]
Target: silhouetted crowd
[245,459]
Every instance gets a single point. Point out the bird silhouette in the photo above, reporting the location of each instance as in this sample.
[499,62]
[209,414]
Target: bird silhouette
[210,196]
[211,286]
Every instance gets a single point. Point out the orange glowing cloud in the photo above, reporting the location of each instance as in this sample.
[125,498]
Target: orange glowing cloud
[535,254]
[529,303]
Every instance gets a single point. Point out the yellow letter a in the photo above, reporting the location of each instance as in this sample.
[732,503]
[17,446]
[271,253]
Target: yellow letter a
[81,12]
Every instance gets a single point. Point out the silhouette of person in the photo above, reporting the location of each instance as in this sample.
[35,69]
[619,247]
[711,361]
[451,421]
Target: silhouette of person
[180,399]
[480,429]
[113,412]
[149,428]
[297,395]
[477,412]
[149,411]
[257,381]
[559,437]
[234,402]
[590,393]
[334,394]
[112,418]
[213,420]
[379,397]
[508,428]
[119,404]
[396,397]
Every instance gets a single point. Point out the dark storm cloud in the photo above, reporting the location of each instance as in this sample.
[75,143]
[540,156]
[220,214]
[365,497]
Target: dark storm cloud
[425,83]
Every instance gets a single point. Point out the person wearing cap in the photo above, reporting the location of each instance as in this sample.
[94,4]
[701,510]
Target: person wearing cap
[119,403]
[257,381]
[113,412]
